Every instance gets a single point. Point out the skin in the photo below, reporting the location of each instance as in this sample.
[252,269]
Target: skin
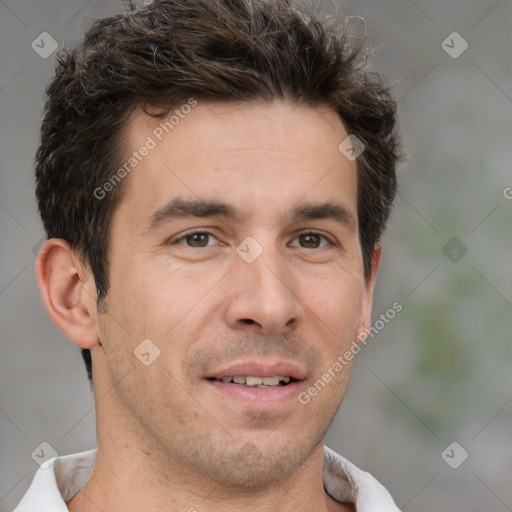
[166,439]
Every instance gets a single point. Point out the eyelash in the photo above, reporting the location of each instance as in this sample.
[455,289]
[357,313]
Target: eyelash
[202,231]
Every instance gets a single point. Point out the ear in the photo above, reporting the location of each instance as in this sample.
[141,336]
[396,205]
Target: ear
[68,292]
[365,318]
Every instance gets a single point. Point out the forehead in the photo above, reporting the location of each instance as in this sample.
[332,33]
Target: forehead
[263,157]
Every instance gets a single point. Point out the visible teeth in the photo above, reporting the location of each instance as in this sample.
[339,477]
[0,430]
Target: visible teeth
[252,381]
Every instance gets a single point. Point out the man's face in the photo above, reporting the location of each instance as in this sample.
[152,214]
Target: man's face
[219,304]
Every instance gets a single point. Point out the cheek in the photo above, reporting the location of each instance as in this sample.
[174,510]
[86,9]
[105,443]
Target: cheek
[338,304]
[144,297]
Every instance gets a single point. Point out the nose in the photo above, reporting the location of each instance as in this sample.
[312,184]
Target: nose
[263,296]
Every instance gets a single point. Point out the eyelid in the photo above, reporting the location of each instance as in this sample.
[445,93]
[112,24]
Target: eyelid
[179,238]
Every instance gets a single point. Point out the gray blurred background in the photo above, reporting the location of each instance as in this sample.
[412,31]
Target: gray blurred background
[438,373]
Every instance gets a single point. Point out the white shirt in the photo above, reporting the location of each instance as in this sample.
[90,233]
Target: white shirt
[60,478]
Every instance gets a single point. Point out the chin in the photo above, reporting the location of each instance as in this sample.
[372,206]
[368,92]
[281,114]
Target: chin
[254,465]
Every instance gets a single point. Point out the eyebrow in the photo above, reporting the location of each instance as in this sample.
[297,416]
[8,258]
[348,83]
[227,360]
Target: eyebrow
[181,208]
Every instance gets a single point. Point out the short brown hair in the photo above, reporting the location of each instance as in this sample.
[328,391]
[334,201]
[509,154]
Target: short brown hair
[227,51]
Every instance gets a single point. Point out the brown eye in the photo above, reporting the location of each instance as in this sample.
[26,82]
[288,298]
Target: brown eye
[194,239]
[312,240]
[197,239]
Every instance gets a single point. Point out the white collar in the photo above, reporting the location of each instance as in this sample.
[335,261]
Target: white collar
[60,478]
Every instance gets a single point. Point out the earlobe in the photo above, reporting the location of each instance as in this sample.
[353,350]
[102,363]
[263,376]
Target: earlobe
[68,292]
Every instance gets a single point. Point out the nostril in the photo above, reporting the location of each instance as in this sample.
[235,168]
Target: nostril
[249,321]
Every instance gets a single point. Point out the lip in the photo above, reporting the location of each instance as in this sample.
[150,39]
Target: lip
[258,398]
[263,399]
[260,369]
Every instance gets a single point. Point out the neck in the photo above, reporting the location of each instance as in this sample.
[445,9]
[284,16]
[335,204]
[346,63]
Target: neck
[133,479]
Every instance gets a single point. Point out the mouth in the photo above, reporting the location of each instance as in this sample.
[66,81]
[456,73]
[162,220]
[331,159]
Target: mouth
[252,382]
[258,385]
